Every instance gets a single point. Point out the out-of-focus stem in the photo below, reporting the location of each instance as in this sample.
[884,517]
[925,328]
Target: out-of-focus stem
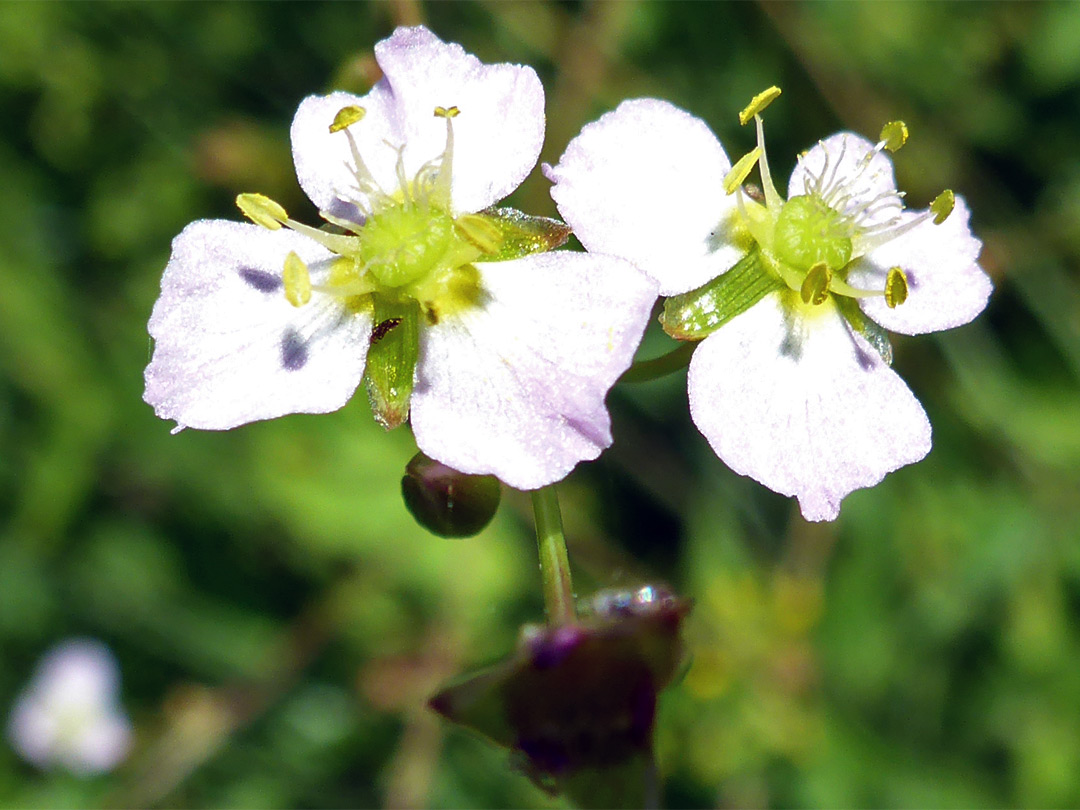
[554,562]
[645,370]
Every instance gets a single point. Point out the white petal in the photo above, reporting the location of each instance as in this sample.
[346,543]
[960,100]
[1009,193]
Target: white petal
[324,162]
[803,406]
[946,287]
[229,349]
[500,128]
[80,672]
[497,135]
[646,183]
[516,388]
[102,744]
[839,159]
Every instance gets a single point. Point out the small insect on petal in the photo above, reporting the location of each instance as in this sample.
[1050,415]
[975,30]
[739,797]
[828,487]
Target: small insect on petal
[261,210]
[815,287]
[758,103]
[382,328]
[297,280]
[942,206]
[896,288]
[346,117]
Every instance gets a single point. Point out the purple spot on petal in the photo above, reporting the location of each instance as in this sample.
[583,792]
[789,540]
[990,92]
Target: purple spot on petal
[294,351]
[260,280]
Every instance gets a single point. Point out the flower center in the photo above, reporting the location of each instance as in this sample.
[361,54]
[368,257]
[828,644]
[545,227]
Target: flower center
[408,247]
[811,238]
[400,244]
[807,232]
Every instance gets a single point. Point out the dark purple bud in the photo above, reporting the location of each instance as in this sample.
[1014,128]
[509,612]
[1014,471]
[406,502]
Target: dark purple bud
[576,704]
[447,502]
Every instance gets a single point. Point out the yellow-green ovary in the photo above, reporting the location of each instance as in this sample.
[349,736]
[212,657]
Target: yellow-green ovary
[807,232]
[403,243]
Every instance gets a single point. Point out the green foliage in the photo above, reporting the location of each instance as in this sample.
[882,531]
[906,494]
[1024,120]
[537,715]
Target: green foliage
[280,619]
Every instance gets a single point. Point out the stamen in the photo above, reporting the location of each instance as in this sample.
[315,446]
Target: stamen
[894,135]
[896,287]
[262,210]
[942,206]
[773,200]
[346,117]
[399,172]
[742,168]
[365,181]
[338,243]
[341,222]
[758,103]
[297,280]
[815,287]
[446,167]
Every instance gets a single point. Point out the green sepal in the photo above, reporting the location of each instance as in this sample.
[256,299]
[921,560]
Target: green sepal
[502,234]
[392,357]
[699,313]
[875,335]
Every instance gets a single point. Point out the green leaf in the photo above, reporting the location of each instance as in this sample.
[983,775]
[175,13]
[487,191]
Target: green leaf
[699,313]
[875,335]
[392,357]
[504,233]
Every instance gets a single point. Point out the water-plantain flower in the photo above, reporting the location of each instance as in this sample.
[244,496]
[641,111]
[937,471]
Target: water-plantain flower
[791,384]
[69,715]
[452,312]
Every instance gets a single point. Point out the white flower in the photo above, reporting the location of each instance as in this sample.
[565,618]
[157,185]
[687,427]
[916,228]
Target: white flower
[449,309]
[792,384]
[69,714]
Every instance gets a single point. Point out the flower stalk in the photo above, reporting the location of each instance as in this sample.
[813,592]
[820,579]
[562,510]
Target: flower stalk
[554,561]
[657,367]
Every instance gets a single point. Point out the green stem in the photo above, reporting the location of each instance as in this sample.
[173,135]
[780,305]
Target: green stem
[646,370]
[554,562]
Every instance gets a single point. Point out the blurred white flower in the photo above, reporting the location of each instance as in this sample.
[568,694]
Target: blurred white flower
[69,714]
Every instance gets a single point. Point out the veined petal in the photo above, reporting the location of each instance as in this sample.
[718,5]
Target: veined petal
[839,160]
[229,349]
[946,287]
[516,388]
[324,162]
[803,405]
[499,131]
[646,183]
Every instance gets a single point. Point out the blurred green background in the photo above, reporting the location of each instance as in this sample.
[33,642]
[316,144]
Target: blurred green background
[278,617]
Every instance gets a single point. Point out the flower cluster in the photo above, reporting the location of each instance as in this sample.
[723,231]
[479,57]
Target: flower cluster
[499,350]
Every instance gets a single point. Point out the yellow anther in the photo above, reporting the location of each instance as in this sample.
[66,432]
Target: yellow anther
[758,103]
[896,288]
[261,210]
[942,206]
[297,281]
[734,178]
[815,287]
[346,117]
[894,135]
[446,112]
